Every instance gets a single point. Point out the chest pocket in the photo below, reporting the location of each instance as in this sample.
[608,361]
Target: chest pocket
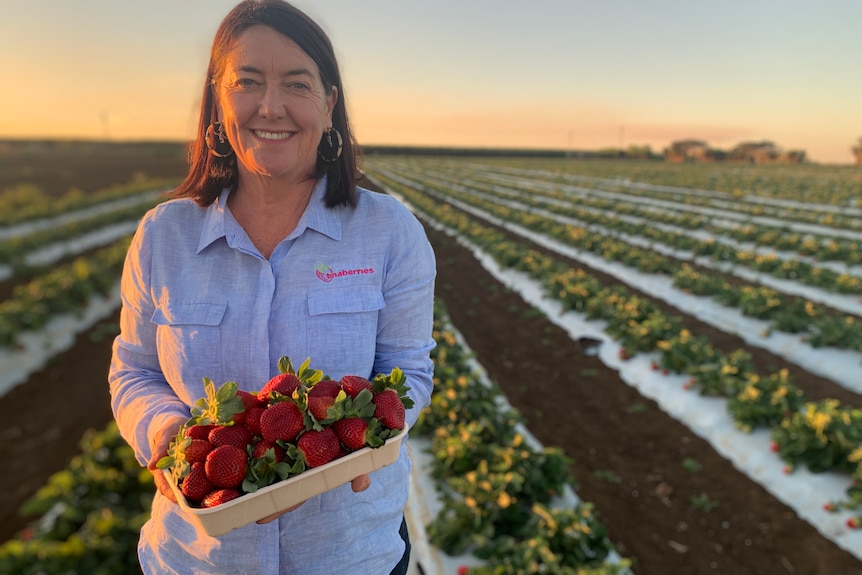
[188,339]
[342,327]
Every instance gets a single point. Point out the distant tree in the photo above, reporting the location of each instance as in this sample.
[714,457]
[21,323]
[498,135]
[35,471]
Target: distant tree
[639,152]
[857,150]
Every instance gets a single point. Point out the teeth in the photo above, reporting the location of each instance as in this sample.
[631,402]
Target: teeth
[272,135]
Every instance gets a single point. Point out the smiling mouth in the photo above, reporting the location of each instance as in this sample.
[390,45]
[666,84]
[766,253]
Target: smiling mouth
[273,135]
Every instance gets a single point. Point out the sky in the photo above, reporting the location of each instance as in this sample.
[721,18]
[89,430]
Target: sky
[556,74]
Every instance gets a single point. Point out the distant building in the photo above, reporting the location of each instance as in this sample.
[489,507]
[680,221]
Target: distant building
[749,152]
[688,151]
[857,151]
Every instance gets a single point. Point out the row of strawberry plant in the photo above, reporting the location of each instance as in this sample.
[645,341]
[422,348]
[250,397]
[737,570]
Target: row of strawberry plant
[679,239]
[90,514]
[823,247]
[819,325]
[825,195]
[819,435]
[497,490]
[62,290]
[25,203]
[14,251]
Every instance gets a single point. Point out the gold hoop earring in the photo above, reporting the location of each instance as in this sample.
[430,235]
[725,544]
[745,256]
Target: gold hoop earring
[331,146]
[217,141]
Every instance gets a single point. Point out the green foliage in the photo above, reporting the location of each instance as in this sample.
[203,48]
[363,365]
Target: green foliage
[64,289]
[497,490]
[702,502]
[92,513]
[822,436]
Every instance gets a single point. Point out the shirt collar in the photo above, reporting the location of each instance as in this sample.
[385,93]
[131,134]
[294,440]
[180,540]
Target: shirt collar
[316,217]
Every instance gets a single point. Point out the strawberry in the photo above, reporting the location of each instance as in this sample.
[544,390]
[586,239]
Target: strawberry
[249,400]
[355,433]
[260,448]
[351,432]
[199,431]
[283,420]
[236,435]
[226,466]
[196,485]
[252,419]
[197,450]
[390,398]
[321,397]
[319,447]
[324,388]
[289,379]
[219,496]
[356,426]
[389,409]
[353,384]
[283,383]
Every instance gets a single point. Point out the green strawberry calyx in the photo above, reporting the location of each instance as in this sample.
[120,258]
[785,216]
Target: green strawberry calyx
[219,406]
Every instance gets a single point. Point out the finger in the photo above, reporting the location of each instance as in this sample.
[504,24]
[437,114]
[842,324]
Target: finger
[361,483]
[163,486]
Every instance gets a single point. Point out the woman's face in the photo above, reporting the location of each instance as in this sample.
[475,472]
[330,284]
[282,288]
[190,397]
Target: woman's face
[273,105]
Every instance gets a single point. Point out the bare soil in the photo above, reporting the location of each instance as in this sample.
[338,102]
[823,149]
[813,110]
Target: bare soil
[627,454]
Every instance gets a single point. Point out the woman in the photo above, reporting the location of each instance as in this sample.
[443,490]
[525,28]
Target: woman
[244,266]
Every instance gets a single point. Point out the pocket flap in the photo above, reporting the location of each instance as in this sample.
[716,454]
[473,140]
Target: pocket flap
[189,313]
[344,301]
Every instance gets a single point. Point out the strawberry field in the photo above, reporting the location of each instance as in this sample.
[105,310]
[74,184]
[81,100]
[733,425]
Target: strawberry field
[684,341]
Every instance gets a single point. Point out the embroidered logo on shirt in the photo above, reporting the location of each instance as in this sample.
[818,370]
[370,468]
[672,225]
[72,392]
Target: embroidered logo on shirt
[327,274]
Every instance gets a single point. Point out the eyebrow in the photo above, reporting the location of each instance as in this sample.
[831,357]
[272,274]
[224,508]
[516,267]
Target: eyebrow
[294,72]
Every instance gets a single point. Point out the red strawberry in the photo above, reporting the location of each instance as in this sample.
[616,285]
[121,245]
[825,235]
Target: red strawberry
[324,388]
[321,397]
[319,447]
[199,431]
[236,435]
[283,383]
[252,419]
[197,450]
[319,406]
[226,466]
[283,420]
[196,485]
[389,409]
[356,433]
[220,496]
[351,432]
[353,384]
[261,447]
[248,401]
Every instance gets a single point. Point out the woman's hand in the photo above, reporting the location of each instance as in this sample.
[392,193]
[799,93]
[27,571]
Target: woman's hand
[358,484]
[160,443]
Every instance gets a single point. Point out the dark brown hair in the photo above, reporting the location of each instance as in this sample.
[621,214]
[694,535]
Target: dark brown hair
[208,174]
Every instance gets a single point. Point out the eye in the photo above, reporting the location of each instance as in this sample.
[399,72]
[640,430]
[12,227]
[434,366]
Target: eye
[245,82]
[299,86]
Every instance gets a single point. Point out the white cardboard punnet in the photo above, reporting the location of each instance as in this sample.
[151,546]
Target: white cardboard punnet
[287,493]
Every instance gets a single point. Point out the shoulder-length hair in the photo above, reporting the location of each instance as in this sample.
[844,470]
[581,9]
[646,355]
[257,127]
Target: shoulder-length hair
[209,174]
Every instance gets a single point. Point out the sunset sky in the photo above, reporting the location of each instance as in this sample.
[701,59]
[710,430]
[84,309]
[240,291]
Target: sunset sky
[563,74]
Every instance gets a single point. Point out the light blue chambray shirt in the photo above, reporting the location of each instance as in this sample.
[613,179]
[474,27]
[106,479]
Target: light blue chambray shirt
[352,289]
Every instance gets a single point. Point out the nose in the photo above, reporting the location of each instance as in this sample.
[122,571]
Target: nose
[271,102]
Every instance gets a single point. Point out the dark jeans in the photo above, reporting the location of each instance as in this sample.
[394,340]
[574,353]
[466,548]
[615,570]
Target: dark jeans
[401,568]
